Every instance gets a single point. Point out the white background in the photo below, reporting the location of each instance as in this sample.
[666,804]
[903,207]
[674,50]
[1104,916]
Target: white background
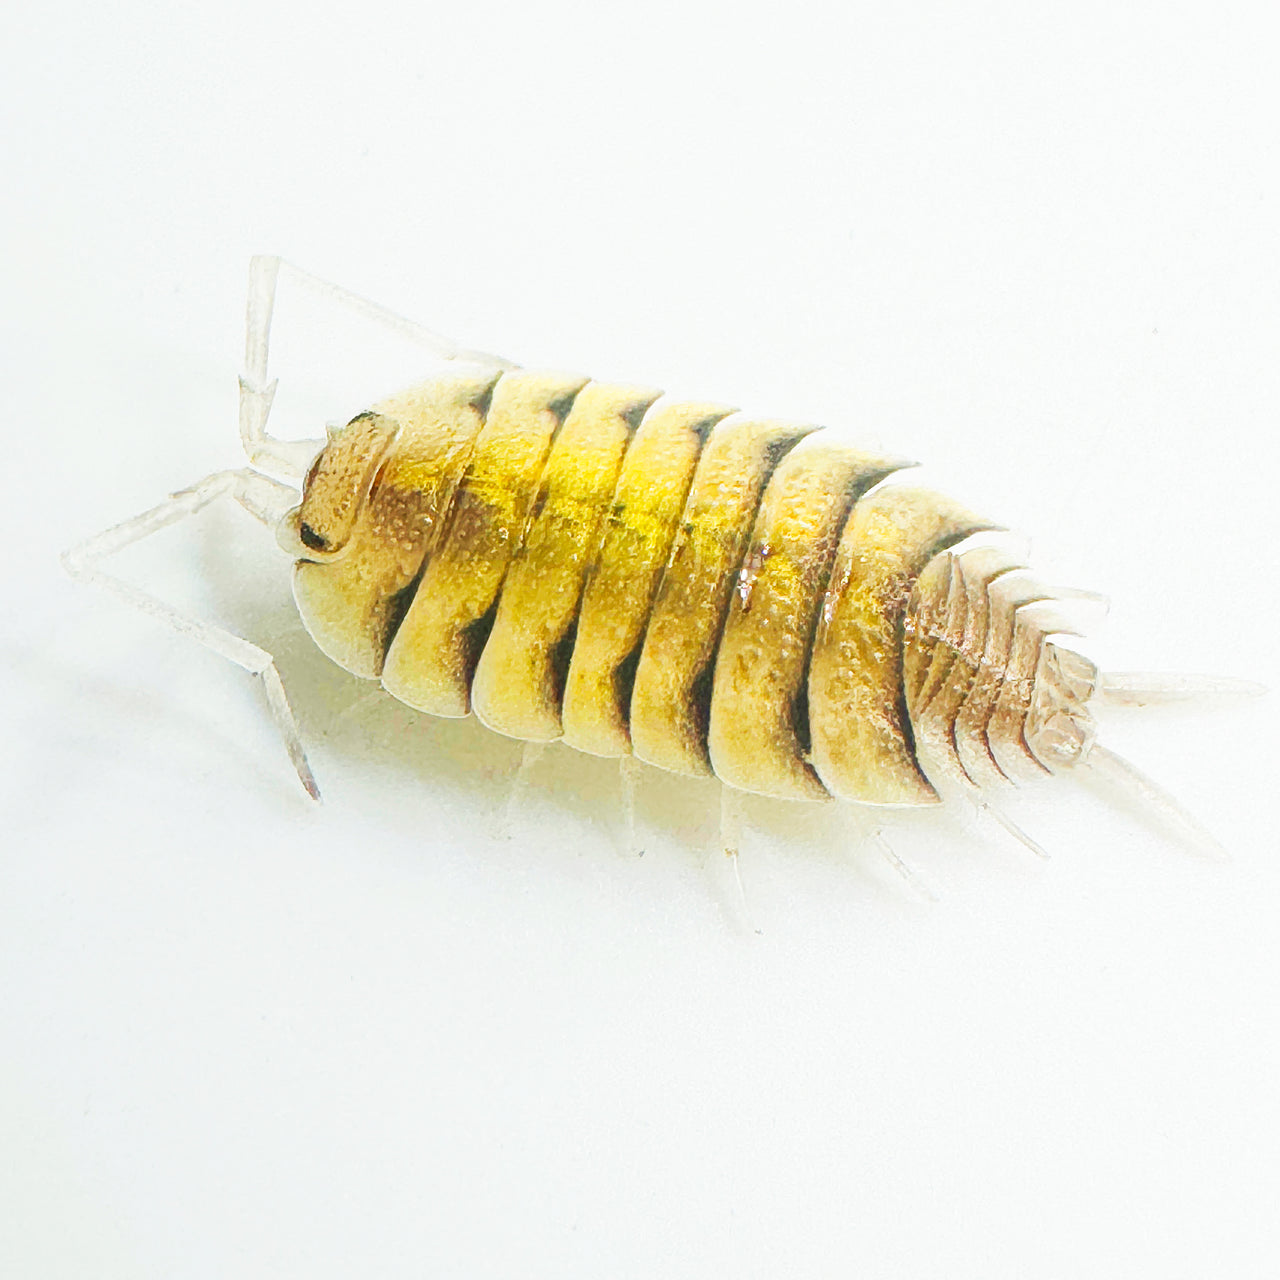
[400,1035]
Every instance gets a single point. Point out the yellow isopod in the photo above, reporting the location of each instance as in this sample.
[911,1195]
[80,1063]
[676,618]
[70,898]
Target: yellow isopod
[676,583]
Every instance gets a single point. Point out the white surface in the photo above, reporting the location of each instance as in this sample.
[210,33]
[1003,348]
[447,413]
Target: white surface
[239,1036]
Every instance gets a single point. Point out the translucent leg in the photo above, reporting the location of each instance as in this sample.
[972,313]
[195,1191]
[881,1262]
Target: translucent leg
[529,757]
[629,773]
[911,877]
[958,790]
[1116,773]
[257,390]
[730,841]
[730,820]
[360,704]
[265,499]
[1005,822]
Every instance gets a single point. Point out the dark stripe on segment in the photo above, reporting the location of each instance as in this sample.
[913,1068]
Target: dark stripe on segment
[635,545]
[624,683]
[519,681]
[444,506]
[671,697]
[1005,596]
[566,649]
[934,612]
[950,701]
[353,602]
[908,721]
[436,651]
[1006,729]
[863,744]
[760,731]
[956,657]
[560,657]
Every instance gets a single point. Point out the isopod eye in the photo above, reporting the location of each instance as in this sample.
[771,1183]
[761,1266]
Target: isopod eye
[310,538]
[340,481]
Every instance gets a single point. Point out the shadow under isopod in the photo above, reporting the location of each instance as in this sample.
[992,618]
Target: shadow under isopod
[368,748]
[353,725]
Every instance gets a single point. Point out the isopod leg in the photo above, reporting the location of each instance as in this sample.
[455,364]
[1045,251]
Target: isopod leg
[911,877]
[1005,822]
[1118,775]
[628,774]
[263,498]
[286,457]
[529,757]
[730,821]
[730,842]
[257,389]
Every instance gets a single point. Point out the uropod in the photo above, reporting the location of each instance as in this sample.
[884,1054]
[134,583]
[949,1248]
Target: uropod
[676,583]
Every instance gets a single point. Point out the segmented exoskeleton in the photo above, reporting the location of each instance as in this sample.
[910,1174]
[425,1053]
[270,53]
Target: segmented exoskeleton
[655,580]
[590,562]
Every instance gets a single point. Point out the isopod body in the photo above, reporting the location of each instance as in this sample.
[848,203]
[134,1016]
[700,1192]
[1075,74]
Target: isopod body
[653,579]
[713,593]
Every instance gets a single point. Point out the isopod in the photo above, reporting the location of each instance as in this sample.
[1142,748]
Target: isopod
[670,582]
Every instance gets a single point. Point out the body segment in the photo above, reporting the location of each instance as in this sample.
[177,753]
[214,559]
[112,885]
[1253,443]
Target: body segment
[519,684]
[671,701]
[640,531]
[676,581]
[432,659]
[862,737]
[354,596]
[760,720]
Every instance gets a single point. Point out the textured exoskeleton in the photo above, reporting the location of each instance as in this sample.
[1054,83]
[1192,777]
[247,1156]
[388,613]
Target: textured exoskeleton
[657,580]
[589,561]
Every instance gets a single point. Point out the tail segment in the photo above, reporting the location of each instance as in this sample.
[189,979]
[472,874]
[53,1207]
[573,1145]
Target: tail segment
[991,697]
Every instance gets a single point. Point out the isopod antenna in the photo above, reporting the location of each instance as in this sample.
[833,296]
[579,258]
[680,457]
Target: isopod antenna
[290,458]
[1147,688]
